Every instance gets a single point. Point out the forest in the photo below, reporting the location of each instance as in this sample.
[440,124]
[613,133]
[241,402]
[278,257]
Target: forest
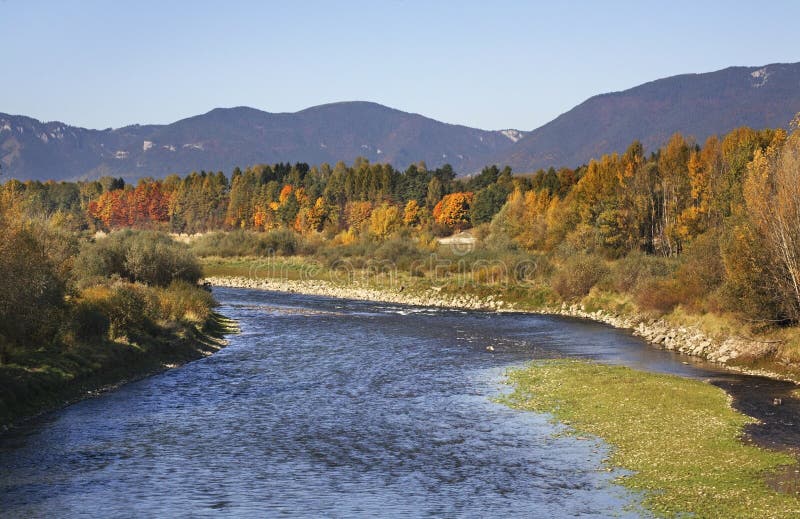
[710,228]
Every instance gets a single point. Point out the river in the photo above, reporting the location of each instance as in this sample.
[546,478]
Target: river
[325,407]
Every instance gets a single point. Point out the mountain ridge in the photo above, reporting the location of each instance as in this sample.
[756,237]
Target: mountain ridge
[695,104]
[239,136]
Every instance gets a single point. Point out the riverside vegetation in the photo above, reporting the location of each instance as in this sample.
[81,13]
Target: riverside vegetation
[77,314]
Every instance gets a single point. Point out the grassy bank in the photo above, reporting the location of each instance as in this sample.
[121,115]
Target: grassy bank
[47,379]
[679,437]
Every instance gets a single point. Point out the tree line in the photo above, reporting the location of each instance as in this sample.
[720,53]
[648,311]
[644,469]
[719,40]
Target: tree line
[733,199]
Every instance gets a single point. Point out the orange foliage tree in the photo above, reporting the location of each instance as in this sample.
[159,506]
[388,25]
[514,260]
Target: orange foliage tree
[452,211]
[356,213]
[147,206]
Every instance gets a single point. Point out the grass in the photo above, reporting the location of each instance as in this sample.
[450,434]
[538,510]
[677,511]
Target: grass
[679,437]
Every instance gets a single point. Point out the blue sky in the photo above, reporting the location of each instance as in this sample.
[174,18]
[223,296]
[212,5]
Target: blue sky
[488,64]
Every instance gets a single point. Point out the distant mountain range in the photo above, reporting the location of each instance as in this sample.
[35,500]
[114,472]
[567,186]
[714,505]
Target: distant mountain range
[694,104]
[227,137]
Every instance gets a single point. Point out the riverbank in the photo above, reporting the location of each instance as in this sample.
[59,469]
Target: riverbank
[63,378]
[684,452]
[750,356]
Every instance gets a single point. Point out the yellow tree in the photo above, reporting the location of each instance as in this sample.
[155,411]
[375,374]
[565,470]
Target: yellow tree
[702,166]
[771,193]
[534,218]
[411,213]
[384,220]
[317,215]
[675,191]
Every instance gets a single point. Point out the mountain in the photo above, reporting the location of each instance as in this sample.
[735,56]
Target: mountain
[228,137]
[693,104]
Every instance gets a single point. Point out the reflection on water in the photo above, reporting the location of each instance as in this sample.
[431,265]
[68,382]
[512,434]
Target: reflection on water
[334,408]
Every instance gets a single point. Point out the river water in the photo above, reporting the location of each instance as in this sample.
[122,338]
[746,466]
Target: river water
[324,407]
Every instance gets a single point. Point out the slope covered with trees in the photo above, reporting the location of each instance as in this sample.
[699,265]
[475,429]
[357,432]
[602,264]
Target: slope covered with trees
[697,105]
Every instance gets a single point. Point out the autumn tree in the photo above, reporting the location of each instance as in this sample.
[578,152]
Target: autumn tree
[384,220]
[771,193]
[356,214]
[453,211]
[412,213]
[32,284]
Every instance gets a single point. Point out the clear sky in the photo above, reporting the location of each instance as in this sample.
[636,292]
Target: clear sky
[489,64]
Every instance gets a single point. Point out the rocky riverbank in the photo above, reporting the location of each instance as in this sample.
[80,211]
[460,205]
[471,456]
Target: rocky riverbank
[688,340]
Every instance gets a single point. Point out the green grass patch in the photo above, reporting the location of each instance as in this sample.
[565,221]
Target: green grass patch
[679,437]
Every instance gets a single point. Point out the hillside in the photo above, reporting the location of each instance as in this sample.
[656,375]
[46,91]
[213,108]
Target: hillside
[227,137]
[693,104]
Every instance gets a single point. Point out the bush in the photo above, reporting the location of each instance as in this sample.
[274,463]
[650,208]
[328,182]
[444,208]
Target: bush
[138,256]
[401,252]
[156,260]
[283,242]
[89,321]
[661,284]
[637,269]
[701,273]
[31,286]
[184,302]
[578,275]
[354,252]
[127,309]
[659,295]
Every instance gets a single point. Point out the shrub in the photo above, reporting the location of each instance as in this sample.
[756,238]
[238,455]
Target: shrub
[402,252]
[637,269]
[156,260]
[127,309]
[89,321]
[247,243]
[137,256]
[578,275]
[701,272]
[31,287]
[184,302]
[660,295]
[283,242]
